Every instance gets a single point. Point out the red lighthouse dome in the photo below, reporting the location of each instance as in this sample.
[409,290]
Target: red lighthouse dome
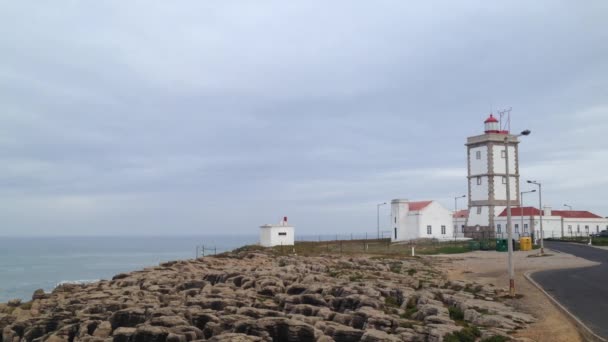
[492,125]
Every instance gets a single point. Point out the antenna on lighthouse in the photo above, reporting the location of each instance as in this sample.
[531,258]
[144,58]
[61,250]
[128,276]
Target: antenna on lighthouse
[505,119]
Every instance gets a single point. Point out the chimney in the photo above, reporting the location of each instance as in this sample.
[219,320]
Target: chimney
[547,211]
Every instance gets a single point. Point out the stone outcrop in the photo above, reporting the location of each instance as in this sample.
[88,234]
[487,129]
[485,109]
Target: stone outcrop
[253,296]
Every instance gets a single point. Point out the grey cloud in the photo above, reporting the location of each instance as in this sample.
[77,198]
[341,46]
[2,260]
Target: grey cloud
[145,115]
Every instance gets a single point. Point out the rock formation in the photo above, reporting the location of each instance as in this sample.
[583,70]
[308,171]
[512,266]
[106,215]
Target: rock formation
[250,295]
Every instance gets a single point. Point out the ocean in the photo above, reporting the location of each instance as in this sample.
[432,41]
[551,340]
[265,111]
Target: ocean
[28,264]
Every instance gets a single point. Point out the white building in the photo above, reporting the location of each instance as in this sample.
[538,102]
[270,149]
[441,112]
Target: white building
[487,191]
[417,220]
[556,223]
[281,234]
[460,221]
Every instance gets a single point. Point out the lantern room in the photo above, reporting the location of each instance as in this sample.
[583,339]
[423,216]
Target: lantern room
[492,125]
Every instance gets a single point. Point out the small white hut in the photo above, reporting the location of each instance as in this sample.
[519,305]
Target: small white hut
[281,234]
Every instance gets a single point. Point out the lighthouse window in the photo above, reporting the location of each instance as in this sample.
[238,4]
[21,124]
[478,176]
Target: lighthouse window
[479,210]
[478,154]
[282,234]
[478,180]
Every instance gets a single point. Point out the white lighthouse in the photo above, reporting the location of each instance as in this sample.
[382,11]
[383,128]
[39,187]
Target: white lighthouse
[487,177]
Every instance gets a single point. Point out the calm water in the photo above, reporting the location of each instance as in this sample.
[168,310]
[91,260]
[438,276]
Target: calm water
[27,264]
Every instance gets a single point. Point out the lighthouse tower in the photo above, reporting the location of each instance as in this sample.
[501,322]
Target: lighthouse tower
[487,178]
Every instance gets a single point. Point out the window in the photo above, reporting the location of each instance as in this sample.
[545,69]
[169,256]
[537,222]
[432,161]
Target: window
[570,229]
[478,154]
[525,227]
[395,219]
[503,154]
[597,229]
[498,228]
[479,210]
[429,230]
[578,228]
[587,229]
[478,180]
[516,228]
[395,233]
[443,230]
[462,228]
[504,180]
[282,233]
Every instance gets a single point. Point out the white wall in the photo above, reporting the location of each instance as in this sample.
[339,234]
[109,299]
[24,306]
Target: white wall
[499,161]
[436,216]
[459,222]
[412,224]
[482,219]
[479,192]
[479,166]
[500,189]
[274,235]
[552,226]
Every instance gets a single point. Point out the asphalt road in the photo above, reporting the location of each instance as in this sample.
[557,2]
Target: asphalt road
[583,291]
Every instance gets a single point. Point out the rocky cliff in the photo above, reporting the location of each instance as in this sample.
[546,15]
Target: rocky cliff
[255,296]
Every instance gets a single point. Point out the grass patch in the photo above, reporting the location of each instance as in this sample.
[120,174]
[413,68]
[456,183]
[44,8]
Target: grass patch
[496,338]
[355,277]
[445,250]
[412,271]
[456,314]
[395,267]
[391,302]
[467,334]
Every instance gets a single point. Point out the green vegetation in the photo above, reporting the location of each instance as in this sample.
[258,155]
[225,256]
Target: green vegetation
[412,271]
[395,267]
[445,250]
[410,308]
[467,334]
[456,314]
[378,248]
[355,277]
[496,338]
[391,302]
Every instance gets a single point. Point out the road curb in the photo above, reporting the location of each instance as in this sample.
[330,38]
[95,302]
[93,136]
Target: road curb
[583,329]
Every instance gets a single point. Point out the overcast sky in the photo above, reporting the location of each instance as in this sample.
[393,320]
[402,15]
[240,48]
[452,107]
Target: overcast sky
[213,117]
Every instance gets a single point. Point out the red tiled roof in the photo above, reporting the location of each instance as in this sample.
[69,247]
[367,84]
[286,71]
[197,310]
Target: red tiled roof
[574,214]
[531,211]
[461,213]
[415,206]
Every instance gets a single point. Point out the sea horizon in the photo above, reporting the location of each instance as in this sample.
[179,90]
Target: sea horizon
[28,263]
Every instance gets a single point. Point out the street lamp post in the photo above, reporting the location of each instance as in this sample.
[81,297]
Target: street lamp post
[455,211]
[509,226]
[569,207]
[456,202]
[378,217]
[521,198]
[540,205]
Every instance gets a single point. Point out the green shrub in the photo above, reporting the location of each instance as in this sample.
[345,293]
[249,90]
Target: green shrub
[496,338]
[395,267]
[412,271]
[456,314]
[468,334]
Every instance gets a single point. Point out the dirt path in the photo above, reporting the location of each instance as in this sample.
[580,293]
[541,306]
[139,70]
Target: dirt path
[491,268]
